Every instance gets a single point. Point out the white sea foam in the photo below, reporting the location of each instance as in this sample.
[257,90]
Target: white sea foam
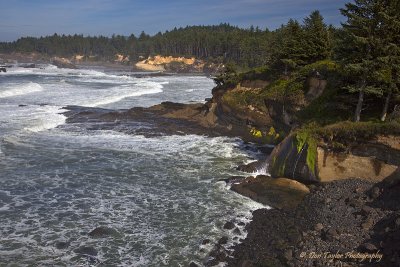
[69,180]
[22,89]
[47,123]
[118,96]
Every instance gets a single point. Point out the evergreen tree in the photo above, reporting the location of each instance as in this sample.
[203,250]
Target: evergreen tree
[359,48]
[389,58]
[292,52]
[317,38]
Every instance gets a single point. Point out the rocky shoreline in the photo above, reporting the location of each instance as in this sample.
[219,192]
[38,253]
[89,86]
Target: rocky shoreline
[340,223]
[308,225]
[331,223]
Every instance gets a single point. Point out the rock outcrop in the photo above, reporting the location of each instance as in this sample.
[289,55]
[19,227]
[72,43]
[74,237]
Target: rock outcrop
[63,63]
[177,65]
[281,193]
[310,162]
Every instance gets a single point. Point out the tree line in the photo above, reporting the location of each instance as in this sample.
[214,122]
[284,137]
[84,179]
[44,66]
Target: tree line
[223,43]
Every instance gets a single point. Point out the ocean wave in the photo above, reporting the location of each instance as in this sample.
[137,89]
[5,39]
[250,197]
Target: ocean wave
[23,89]
[120,93]
[49,117]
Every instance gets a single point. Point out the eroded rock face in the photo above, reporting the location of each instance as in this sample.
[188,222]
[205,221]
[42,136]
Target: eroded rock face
[337,166]
[171,64]
[287,161]
[369,161]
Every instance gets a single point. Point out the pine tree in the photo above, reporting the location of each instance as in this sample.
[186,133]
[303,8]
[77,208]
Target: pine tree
[292,51]
[318,40]
[389,58]
[360,42]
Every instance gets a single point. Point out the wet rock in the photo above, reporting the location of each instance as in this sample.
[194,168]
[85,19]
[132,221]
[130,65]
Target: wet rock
[193,264]
[252,167]
[218,254]
[61,244]
[223,240]
[206,241]
[28,65]
[237,231]
[22,105]
[279,193]
[266,149]
[102,231]
[229,225]
[86,250]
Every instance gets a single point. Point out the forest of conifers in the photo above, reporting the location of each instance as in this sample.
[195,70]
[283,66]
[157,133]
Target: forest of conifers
[222,43]
[366,47]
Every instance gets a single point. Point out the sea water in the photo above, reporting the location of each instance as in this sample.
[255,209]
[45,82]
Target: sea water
[58,182]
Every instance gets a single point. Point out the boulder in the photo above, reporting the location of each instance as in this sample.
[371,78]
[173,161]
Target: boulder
[86,250]
[102,231]
[279,193]
[286,160]
[252,167]
[62,244]
[229,225]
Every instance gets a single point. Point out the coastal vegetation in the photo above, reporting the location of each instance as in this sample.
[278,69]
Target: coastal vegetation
[322,75]
[356,65]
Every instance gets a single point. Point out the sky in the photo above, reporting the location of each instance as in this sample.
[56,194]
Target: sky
[20,18]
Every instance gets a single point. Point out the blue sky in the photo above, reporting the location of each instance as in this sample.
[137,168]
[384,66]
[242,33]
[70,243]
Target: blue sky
[94,17]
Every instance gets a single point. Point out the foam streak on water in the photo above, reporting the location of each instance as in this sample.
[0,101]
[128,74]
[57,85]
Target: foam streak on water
[161,196]
[21,89]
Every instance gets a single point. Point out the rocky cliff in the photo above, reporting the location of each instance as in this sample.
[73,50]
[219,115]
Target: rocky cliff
[178,65]
[309,160]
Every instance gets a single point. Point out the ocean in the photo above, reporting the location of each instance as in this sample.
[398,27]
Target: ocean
[159,196]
